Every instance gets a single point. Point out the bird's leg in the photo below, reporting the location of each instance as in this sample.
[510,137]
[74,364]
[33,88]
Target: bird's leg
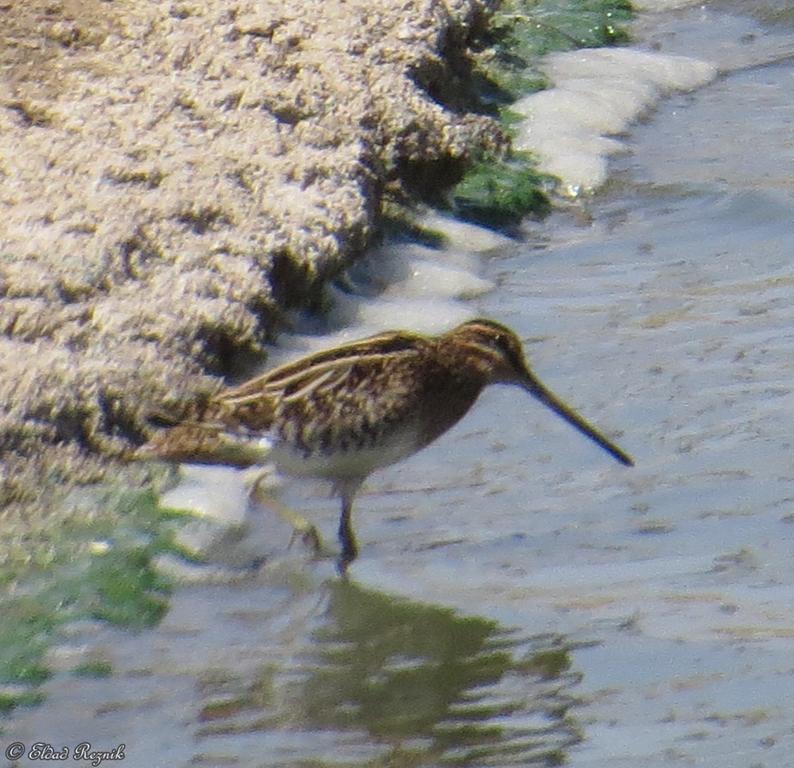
[347,537]
[301,526]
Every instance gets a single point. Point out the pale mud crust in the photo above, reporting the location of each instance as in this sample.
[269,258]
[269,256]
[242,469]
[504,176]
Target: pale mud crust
[174,174]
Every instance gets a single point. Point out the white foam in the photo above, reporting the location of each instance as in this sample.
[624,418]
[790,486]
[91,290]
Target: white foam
[462,235]
[597,94]
[659,6]
[215,493]
[416,288]
[364,316]
[417,272]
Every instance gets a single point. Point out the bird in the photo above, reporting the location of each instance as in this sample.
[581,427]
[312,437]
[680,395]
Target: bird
[344,412]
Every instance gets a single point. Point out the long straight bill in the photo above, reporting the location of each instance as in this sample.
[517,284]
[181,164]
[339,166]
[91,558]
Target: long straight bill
[549,399]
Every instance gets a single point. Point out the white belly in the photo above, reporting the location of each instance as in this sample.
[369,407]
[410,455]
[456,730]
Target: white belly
[355,463]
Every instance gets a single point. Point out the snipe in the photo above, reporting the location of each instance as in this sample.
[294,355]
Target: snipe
[342,413]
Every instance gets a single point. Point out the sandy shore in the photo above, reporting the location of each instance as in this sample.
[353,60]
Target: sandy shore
[175,174]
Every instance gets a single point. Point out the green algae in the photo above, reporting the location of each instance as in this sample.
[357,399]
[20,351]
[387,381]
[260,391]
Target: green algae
[498,191]
[99,569]
[521,32]
[9,701]
[95,669]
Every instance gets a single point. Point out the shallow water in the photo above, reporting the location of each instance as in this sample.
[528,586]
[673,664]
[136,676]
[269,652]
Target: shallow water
[520,597]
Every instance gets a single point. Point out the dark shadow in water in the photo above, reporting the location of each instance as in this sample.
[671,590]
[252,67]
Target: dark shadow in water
[400,683]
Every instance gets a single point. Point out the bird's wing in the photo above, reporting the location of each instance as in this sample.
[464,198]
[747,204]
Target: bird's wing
[321,397]
[278,379]
[349,403]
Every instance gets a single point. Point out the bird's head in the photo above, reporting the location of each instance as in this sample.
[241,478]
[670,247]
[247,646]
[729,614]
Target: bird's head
[494,350]
[498,354]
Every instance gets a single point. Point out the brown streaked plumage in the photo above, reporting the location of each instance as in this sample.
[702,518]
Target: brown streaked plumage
[342,413]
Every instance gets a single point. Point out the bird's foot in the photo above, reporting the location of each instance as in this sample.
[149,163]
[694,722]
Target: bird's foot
[301,528]
[343,562]
[308,534]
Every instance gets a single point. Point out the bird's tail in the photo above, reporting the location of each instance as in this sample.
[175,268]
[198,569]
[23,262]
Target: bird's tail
[194,441]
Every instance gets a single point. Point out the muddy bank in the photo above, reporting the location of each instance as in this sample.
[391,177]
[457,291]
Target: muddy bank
[174,175]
